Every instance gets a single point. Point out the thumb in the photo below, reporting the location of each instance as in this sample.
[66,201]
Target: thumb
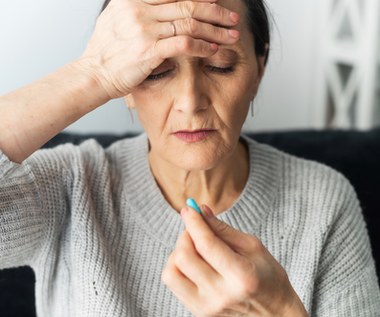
[237,240]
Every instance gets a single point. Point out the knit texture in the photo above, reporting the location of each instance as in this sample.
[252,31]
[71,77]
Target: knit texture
[97,231]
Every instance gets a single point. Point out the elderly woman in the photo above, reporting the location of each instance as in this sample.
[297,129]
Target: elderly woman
[106,230]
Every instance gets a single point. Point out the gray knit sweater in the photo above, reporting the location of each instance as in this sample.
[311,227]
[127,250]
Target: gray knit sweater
[97,231]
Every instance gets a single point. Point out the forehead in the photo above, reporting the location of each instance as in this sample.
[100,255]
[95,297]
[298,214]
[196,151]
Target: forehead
[239,7]
[245,43]
[235,5]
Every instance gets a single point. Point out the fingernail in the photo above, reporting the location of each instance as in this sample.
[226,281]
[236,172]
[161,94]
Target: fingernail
[184,211]
[234,33]
[235,17]
[213,46]
[207,211]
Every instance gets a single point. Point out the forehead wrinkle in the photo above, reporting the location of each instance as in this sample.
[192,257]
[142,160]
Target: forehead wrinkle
[236,49]
[232,53]
[227,53]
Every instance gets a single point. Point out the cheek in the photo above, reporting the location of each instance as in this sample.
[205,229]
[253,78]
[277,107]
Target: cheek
[152,107]
[234,100]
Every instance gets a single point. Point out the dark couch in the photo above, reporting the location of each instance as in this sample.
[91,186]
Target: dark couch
[355,154]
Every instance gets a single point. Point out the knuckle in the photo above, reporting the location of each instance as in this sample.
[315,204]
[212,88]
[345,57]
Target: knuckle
[183,44]
[219,11]
[222,227]
[217,32]
[222,33]
[248,287]
[224,303]
[256,245]
[137,11]
[138,28]
[206,243]
[166,276]
[213,308]
[141,28]
[192,25]
[180,257]
[246,281]
[206,49]
[189,8]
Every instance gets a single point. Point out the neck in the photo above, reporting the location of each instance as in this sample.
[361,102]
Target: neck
[218,187]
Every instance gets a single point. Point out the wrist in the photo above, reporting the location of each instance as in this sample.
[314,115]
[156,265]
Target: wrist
[295,307]
[88,83]
[101,78]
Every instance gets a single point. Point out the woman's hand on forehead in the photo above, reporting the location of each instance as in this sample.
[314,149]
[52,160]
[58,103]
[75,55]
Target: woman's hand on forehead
[133,37]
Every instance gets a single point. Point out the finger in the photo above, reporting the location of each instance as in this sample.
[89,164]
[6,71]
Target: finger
[184,45]
[211,248]
[205,12]
[240,242]
[206,31]
[197,30]
[195,268]
[177,282]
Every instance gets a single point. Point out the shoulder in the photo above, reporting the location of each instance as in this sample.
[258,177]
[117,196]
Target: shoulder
[313,185]
[129,145]
[294,168]
[89,151]
[66,155]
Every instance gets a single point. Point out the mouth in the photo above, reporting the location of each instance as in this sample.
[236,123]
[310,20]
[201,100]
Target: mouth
[193,136]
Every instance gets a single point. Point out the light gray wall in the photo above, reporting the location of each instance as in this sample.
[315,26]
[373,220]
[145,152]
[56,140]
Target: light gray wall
[39,36]
[286,98]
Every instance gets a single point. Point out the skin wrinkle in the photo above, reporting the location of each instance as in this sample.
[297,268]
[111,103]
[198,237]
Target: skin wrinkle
[192,96]
[223,58]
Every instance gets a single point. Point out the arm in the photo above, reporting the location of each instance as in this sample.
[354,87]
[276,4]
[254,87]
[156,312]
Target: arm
[346,283]
[130,40]
[25,218]
[124,49]
[34,114]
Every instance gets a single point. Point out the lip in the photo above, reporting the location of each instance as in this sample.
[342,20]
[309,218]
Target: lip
[193,136]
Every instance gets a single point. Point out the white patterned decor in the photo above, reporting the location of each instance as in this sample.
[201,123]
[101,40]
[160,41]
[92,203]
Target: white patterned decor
[348,80]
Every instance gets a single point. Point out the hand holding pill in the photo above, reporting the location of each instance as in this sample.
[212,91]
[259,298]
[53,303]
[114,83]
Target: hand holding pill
[217,270]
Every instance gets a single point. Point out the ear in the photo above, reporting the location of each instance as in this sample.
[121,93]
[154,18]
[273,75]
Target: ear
[261,62]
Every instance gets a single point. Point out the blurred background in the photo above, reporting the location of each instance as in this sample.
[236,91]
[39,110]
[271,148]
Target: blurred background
[324,69]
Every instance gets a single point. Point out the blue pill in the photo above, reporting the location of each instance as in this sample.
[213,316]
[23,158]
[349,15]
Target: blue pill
[191,203]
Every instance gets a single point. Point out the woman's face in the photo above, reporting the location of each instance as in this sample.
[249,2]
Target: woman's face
[193,109]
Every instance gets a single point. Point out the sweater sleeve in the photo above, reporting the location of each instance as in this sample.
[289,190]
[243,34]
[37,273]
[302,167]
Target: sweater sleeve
[32,204]
[346,284]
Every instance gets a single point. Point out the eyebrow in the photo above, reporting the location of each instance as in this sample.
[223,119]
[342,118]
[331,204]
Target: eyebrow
[227,53]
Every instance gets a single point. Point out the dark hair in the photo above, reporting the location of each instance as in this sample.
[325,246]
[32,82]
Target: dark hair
[258,23]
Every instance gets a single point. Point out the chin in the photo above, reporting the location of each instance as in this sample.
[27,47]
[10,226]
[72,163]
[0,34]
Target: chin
[204,155]
[196,162]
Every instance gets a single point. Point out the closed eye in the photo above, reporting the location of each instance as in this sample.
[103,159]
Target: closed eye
[220,70]
[158,76]
[214,69]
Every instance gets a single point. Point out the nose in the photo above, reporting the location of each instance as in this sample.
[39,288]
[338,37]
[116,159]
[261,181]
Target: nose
[191,95]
